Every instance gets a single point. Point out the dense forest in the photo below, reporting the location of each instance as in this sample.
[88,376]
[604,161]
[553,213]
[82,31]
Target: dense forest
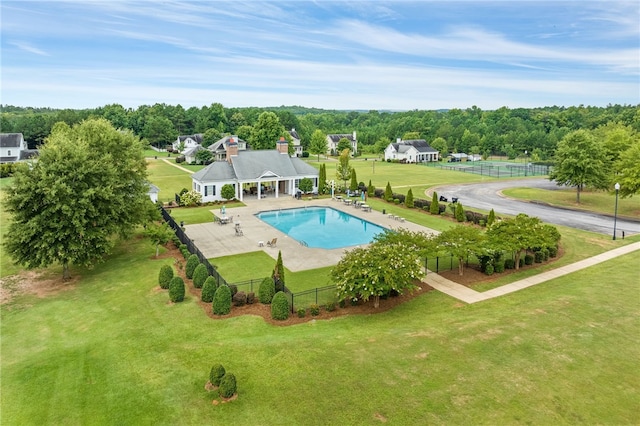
[504,131]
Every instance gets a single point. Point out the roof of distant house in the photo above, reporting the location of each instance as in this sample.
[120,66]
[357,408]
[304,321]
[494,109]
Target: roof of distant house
[419,144]
[10,140]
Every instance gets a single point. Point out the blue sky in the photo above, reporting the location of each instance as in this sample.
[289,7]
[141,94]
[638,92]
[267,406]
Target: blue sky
[326,54]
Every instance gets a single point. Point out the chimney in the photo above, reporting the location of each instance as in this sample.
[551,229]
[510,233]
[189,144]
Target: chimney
[283,146]
[399,140]
[232,149]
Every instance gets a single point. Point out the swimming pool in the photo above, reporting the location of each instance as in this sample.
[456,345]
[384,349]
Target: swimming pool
[322,227]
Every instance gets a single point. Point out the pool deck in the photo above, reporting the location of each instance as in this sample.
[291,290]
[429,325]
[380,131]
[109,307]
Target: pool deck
[216,240]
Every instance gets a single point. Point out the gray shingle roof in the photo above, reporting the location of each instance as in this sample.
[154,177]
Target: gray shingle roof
[419,144]
[336,138]
[10,140]
[251,165]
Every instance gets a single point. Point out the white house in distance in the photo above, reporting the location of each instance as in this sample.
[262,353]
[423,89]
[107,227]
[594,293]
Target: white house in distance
[332,142]
[190,141]
[13,148]
[259,173]
[219,148]
[411,151]
[297,144]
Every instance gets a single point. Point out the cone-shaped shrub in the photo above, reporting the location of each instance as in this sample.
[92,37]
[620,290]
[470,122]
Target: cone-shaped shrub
[408,202]
[491,218]
[176,289]
[459,212]
[228,386]
[164,278]
[216,374]
[434,208]
[278,273]
[208,289]
[192,264]
[280,306]
[266,291]
[200,275]
[222,301]
[388,193]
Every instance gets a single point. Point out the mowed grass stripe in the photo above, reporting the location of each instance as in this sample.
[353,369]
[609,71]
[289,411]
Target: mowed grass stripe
[113,350]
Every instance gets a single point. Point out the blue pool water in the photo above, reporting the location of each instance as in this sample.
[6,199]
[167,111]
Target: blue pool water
[322,227]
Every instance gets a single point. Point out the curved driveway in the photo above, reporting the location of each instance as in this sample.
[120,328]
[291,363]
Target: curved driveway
[487,196]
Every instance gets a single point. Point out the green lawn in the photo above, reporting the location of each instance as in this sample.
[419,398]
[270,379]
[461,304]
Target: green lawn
[600,202]
[112,350]
[169,179]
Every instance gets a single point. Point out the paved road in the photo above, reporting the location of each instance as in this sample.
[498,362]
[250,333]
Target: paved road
[486,196]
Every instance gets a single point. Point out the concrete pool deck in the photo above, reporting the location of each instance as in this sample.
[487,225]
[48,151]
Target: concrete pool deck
[216,240]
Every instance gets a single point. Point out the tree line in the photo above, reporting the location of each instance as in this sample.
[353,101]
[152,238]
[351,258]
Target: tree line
[530,132]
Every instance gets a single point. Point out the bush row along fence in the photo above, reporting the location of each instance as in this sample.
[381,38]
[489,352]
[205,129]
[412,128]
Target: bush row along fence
[247,286]
[502,171]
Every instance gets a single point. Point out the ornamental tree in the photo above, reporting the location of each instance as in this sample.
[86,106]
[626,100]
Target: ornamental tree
[521,233]
[462,241]
[353,185]
[228,191]
[343,169]
[388,192]
[371,272]
[159,234]
[409,200]
[88,185]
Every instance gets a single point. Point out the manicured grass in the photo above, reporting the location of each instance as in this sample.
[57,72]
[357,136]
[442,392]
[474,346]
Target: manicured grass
[600,202]
[169,179]
[203,214]
[113,350]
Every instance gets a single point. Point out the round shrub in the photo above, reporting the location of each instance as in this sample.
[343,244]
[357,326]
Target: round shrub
[330,306]
[165,275]
[521,262]
[280,306]
[176,289]
[208,289]
[251,298]
[228,386]
[499,267]
[222,301]
[266,291]
[528,259]
[509,264]
[538,257]
[216,374]
[553,251]
[301,312]
[200,275]
[314,310]
[489,269]
[192,264]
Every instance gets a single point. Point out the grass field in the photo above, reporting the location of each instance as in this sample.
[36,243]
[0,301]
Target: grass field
[600,202]
[112,350]
[108,348]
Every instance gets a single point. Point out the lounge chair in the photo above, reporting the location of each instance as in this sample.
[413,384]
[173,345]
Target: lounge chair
[239,232]
[272,243]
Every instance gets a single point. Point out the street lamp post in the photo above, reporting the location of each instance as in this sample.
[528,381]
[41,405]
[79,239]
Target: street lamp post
[615,214]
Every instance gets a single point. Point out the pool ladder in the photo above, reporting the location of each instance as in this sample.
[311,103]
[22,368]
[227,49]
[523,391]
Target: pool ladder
[304,243]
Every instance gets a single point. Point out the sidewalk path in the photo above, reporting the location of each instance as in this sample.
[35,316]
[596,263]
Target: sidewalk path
[468,295]
[179,167]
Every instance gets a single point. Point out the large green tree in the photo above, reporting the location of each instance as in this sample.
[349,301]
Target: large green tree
[580,161]
[266,132]
[628,171]
[159,131]
[318,144]
[88,185]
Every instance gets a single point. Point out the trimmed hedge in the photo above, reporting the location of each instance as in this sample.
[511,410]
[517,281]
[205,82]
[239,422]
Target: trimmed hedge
[209,289]
[176,289]
[266,291]
[216,374]
[222,301]
[280,306]
[192,264]
[165,275]
[228,386]
[200,275]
